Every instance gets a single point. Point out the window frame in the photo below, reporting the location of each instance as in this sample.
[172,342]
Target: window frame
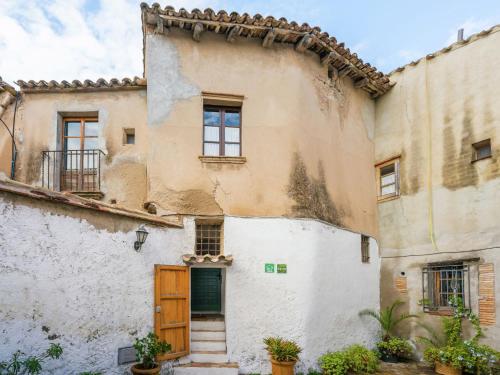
[222,130]
[397,165]
[429,304]
[476,146]
[211,222]
[82,120]
[365,249]
[126,133]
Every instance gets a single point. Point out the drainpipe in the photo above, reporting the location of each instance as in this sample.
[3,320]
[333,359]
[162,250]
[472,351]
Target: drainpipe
[14,147]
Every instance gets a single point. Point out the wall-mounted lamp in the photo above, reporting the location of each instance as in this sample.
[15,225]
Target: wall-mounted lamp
[142,234]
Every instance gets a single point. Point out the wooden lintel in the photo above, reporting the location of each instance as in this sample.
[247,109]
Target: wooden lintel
[197,30]
[304,43]
[269,38]
[233,33]
[361,83]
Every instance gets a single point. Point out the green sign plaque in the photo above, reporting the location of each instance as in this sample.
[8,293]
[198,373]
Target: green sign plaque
[269,268]
[281,268]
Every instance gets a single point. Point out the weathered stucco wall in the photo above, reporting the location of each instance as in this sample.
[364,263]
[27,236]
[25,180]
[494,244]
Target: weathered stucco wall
[79,282]
[123,167]
[307,143]
[440,107]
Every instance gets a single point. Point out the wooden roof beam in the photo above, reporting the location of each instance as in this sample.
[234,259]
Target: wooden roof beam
[269,38]
[361,83]
[197,30]
[233,33]
[304,43]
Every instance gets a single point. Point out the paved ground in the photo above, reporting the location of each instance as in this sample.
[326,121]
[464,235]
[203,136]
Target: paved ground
[404,369]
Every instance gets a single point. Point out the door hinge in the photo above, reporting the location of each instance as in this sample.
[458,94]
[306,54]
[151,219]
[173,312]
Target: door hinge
[158,309]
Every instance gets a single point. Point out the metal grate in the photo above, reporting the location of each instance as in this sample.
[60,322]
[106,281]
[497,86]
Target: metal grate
[441,282]
[365,249]
[208,239]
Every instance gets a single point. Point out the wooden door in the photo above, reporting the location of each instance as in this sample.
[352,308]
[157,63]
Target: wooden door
[172,308]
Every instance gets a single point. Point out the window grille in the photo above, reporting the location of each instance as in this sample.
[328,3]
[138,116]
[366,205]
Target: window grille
[441,282]
[365,249]
[208,238]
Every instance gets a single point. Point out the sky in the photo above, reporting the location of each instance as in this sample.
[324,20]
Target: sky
[89,39]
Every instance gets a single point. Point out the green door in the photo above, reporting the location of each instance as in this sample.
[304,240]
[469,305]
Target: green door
[206,290]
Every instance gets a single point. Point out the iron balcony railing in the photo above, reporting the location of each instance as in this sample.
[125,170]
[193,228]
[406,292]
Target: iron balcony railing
[72,170]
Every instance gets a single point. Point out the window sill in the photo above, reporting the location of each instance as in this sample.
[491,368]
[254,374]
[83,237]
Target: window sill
[440,312]
[386,198]
[484,158]
[223,159]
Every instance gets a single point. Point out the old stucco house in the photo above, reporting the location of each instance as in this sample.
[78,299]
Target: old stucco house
[285,185]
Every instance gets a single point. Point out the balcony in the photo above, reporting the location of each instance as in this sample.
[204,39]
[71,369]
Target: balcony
[75,171]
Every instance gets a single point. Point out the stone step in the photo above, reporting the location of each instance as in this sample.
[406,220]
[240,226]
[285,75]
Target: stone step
[208,335]
[197,368]
[210,345]
[209,356]
[208,325]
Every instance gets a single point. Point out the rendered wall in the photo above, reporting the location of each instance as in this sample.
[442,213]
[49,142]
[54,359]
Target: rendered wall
[79,282]
[440,107]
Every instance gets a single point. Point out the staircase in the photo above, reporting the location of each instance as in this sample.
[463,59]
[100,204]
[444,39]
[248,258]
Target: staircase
[208,349]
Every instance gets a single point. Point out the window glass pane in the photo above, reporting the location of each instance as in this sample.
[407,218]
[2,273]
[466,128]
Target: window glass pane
[91,129]
[483,152]
[130,139]
[232,118]
[211,149]
[232,134]
[73,160]
[232,150]
[72,144]
[390,189]
[211,117]
[90,144]
[387,169]
[72,129]
[388,179]
[211,134]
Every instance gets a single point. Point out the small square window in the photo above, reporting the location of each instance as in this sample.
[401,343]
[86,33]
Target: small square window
[482,150]
[388,179]
[365,249]
[129,136]
[208,238]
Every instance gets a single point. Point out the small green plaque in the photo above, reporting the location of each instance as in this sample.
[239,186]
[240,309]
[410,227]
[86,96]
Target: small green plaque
[281,268]
[269,268]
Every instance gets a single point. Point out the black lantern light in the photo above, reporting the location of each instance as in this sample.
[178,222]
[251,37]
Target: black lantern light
[142,234]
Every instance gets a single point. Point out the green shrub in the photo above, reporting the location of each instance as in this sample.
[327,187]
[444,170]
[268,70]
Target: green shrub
[148,348]
[356,359]
[282,350]
[395,347]
[20,364]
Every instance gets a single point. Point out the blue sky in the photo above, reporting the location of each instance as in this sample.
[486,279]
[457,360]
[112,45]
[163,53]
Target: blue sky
[79,39]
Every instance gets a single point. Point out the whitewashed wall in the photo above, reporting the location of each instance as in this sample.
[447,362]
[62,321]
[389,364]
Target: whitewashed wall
[61,276]
[315,303]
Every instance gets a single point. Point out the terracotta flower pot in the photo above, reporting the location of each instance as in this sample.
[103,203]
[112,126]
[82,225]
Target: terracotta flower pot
[139,371]
[444,369]
[283,368]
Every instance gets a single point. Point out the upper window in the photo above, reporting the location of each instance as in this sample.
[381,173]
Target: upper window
[388,179]
[482,150]
[208,238]
[221,131]
[80,134]
[129,136]
[443,282]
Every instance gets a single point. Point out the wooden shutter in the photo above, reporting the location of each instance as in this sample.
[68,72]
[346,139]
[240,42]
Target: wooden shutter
[172,308]
[487,310]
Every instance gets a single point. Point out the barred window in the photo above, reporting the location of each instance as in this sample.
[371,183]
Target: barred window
[441,282]
[365,249]
[208,238]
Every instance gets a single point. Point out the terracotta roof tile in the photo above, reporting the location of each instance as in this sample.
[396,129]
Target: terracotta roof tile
[86,85]
[288,32]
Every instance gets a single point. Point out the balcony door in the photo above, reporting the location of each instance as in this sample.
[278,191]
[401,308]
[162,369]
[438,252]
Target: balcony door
[80,155]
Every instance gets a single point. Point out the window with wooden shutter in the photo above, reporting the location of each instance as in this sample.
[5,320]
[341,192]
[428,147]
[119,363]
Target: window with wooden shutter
[487,307]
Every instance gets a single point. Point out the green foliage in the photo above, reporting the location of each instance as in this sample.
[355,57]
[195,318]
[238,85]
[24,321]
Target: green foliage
[148,348]
[90,373]
[395,347]
[454,350]
[20,364]
[387,318]
[282,350]
[354,359]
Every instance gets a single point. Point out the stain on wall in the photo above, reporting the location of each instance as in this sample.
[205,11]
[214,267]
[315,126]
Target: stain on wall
[184,202]
[310,194]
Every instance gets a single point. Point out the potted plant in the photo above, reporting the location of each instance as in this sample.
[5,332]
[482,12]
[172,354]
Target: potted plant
[394,350]
[455,355]
[147,349]
[391,348]
[284,354]
[355,359]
